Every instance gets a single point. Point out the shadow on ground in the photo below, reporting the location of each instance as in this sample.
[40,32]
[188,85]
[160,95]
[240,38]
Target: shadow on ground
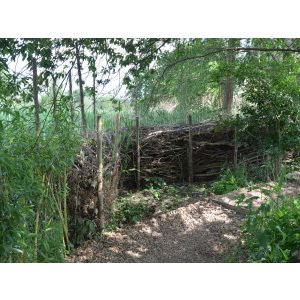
[201,232]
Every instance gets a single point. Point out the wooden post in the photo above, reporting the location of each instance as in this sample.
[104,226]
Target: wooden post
[35,96]
[235,153]
[100,172]
[138,153]
[190,150]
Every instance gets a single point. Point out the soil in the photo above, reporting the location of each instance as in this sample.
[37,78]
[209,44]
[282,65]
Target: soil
[200,232]
[204,230]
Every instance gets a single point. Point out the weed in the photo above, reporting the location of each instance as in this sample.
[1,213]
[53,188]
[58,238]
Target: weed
[126,212]
[271,234]
[231,180]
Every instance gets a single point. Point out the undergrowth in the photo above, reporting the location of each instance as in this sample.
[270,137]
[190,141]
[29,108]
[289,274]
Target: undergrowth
[157,196]
[231,179]
[272,232]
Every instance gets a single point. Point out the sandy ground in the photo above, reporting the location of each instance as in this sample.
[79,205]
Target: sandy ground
[229,200]
[200,232]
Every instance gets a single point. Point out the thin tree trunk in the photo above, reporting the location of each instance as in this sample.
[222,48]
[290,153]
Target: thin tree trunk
[71,99]
[54,100]
[116,159]
[138,152]
[94,102]
[100,173]
[35,96]
[190,151]
[83,117]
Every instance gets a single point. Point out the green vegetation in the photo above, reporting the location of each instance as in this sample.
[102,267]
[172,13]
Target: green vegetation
[157,196]
[271,234]
[250,85]
[230,180]
[33,190]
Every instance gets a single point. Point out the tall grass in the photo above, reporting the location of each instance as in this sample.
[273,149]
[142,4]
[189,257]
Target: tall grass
[158,117]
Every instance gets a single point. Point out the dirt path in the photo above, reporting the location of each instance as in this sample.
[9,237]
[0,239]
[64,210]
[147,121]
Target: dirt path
[199,232]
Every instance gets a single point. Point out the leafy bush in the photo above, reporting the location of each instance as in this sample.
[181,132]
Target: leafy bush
[129,211]
[126,212]
[230,180]
[161,191]
[272,233]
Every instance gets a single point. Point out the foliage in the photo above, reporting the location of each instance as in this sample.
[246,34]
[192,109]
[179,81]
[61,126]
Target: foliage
[230,180]
[33,189]
[271,234]
[161,191]
[132,208]
[34,165]
[85,230]
[126,212]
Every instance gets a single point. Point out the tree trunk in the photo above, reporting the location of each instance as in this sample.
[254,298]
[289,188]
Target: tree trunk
[228,95]
[54,100]
[100,173]
[71,99]
[83,117]
[190,151]
[138,152]
[94,102]
[35,96]
[228,81]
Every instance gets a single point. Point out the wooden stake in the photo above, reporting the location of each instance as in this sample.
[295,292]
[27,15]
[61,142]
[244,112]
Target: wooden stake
[235,153]
[35,96]
[190,150]
[100,172]
[138,153]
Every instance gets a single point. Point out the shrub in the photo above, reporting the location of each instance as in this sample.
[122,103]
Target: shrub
[230,180]
[126,212]
[272,234]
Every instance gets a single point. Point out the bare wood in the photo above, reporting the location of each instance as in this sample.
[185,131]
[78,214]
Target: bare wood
[138,151]
[83,117]
[35,96]
[100,172]
[72,108]
[190,151]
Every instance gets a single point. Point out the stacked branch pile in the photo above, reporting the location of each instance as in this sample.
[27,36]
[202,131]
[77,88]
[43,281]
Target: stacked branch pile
[164,152]
[83,183]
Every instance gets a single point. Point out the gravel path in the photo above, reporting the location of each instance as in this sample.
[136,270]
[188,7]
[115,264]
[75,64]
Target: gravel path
[199,232]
